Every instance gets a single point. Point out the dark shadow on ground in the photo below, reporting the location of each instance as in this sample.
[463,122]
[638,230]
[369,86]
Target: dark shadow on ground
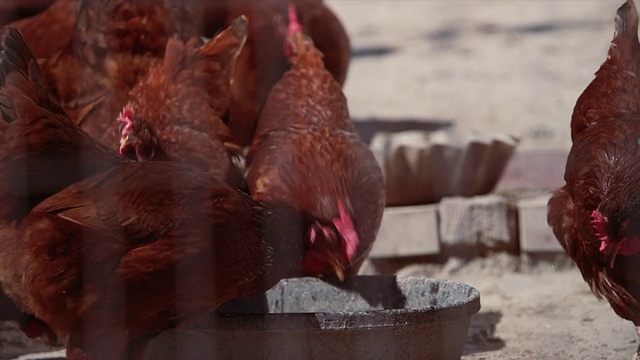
[372,51]
[481,336]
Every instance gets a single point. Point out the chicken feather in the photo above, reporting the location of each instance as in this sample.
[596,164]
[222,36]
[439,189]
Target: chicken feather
[180,104]
[120,251]
[615,90]
[263,62]
[306,153]
[596,215]
[115,42]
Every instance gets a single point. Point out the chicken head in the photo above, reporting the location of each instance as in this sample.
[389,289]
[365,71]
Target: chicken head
[625,243]
[138,140]
[333,246]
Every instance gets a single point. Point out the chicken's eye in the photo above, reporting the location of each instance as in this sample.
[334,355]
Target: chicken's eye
[130,152]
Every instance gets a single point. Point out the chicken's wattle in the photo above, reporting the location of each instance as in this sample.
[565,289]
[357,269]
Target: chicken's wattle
[347,230]
[629,246]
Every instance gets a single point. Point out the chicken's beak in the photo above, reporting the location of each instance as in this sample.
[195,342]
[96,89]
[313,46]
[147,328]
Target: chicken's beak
[613,254]
[338,268]
[123,144]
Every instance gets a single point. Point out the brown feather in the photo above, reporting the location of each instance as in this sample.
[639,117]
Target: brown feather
[167,244]
[615,90]
[184,100]
[307,153]
[35,124]
[263,62]
[602,173]
[114,45]
[49,31]
[113,251]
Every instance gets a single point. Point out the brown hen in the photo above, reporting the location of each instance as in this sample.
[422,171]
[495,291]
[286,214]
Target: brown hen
[50,31]
[596,215]
[15,10]
[262,61]
[307,153]
[616,89]
[175,112]
[166,244]
[114,45]
[33,125]
[120,255]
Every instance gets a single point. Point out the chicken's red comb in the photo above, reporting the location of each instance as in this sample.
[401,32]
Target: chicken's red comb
[126,118]
[293,28]
[294,22]
[346,228]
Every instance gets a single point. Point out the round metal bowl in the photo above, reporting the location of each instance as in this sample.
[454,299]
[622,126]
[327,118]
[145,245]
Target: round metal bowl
[372,317]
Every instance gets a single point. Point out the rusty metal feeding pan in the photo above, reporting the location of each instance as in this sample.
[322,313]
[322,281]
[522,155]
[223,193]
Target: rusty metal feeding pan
[377,317]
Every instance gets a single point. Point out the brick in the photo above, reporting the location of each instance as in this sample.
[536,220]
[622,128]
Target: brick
[469,226]
[535,234]
[407,231]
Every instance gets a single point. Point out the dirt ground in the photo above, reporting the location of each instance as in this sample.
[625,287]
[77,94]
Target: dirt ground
[535,310]
[480,65]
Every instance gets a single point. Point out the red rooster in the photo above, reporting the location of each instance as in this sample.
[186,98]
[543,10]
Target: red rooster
[596,215]
[307,153]
[110,252]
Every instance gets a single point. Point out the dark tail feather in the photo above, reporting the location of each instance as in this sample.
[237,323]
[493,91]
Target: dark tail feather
[227,45]
[560,213]
[16,56]
[625,39]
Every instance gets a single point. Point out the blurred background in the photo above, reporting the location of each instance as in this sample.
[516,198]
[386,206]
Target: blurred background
[507,66]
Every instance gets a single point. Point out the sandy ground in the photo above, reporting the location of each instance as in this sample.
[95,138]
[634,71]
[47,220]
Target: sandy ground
[482,65]
[494,66]
[485,66]
[541,311]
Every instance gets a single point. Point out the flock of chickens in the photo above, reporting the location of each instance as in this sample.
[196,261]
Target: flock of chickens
[148,175]
[596,215]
